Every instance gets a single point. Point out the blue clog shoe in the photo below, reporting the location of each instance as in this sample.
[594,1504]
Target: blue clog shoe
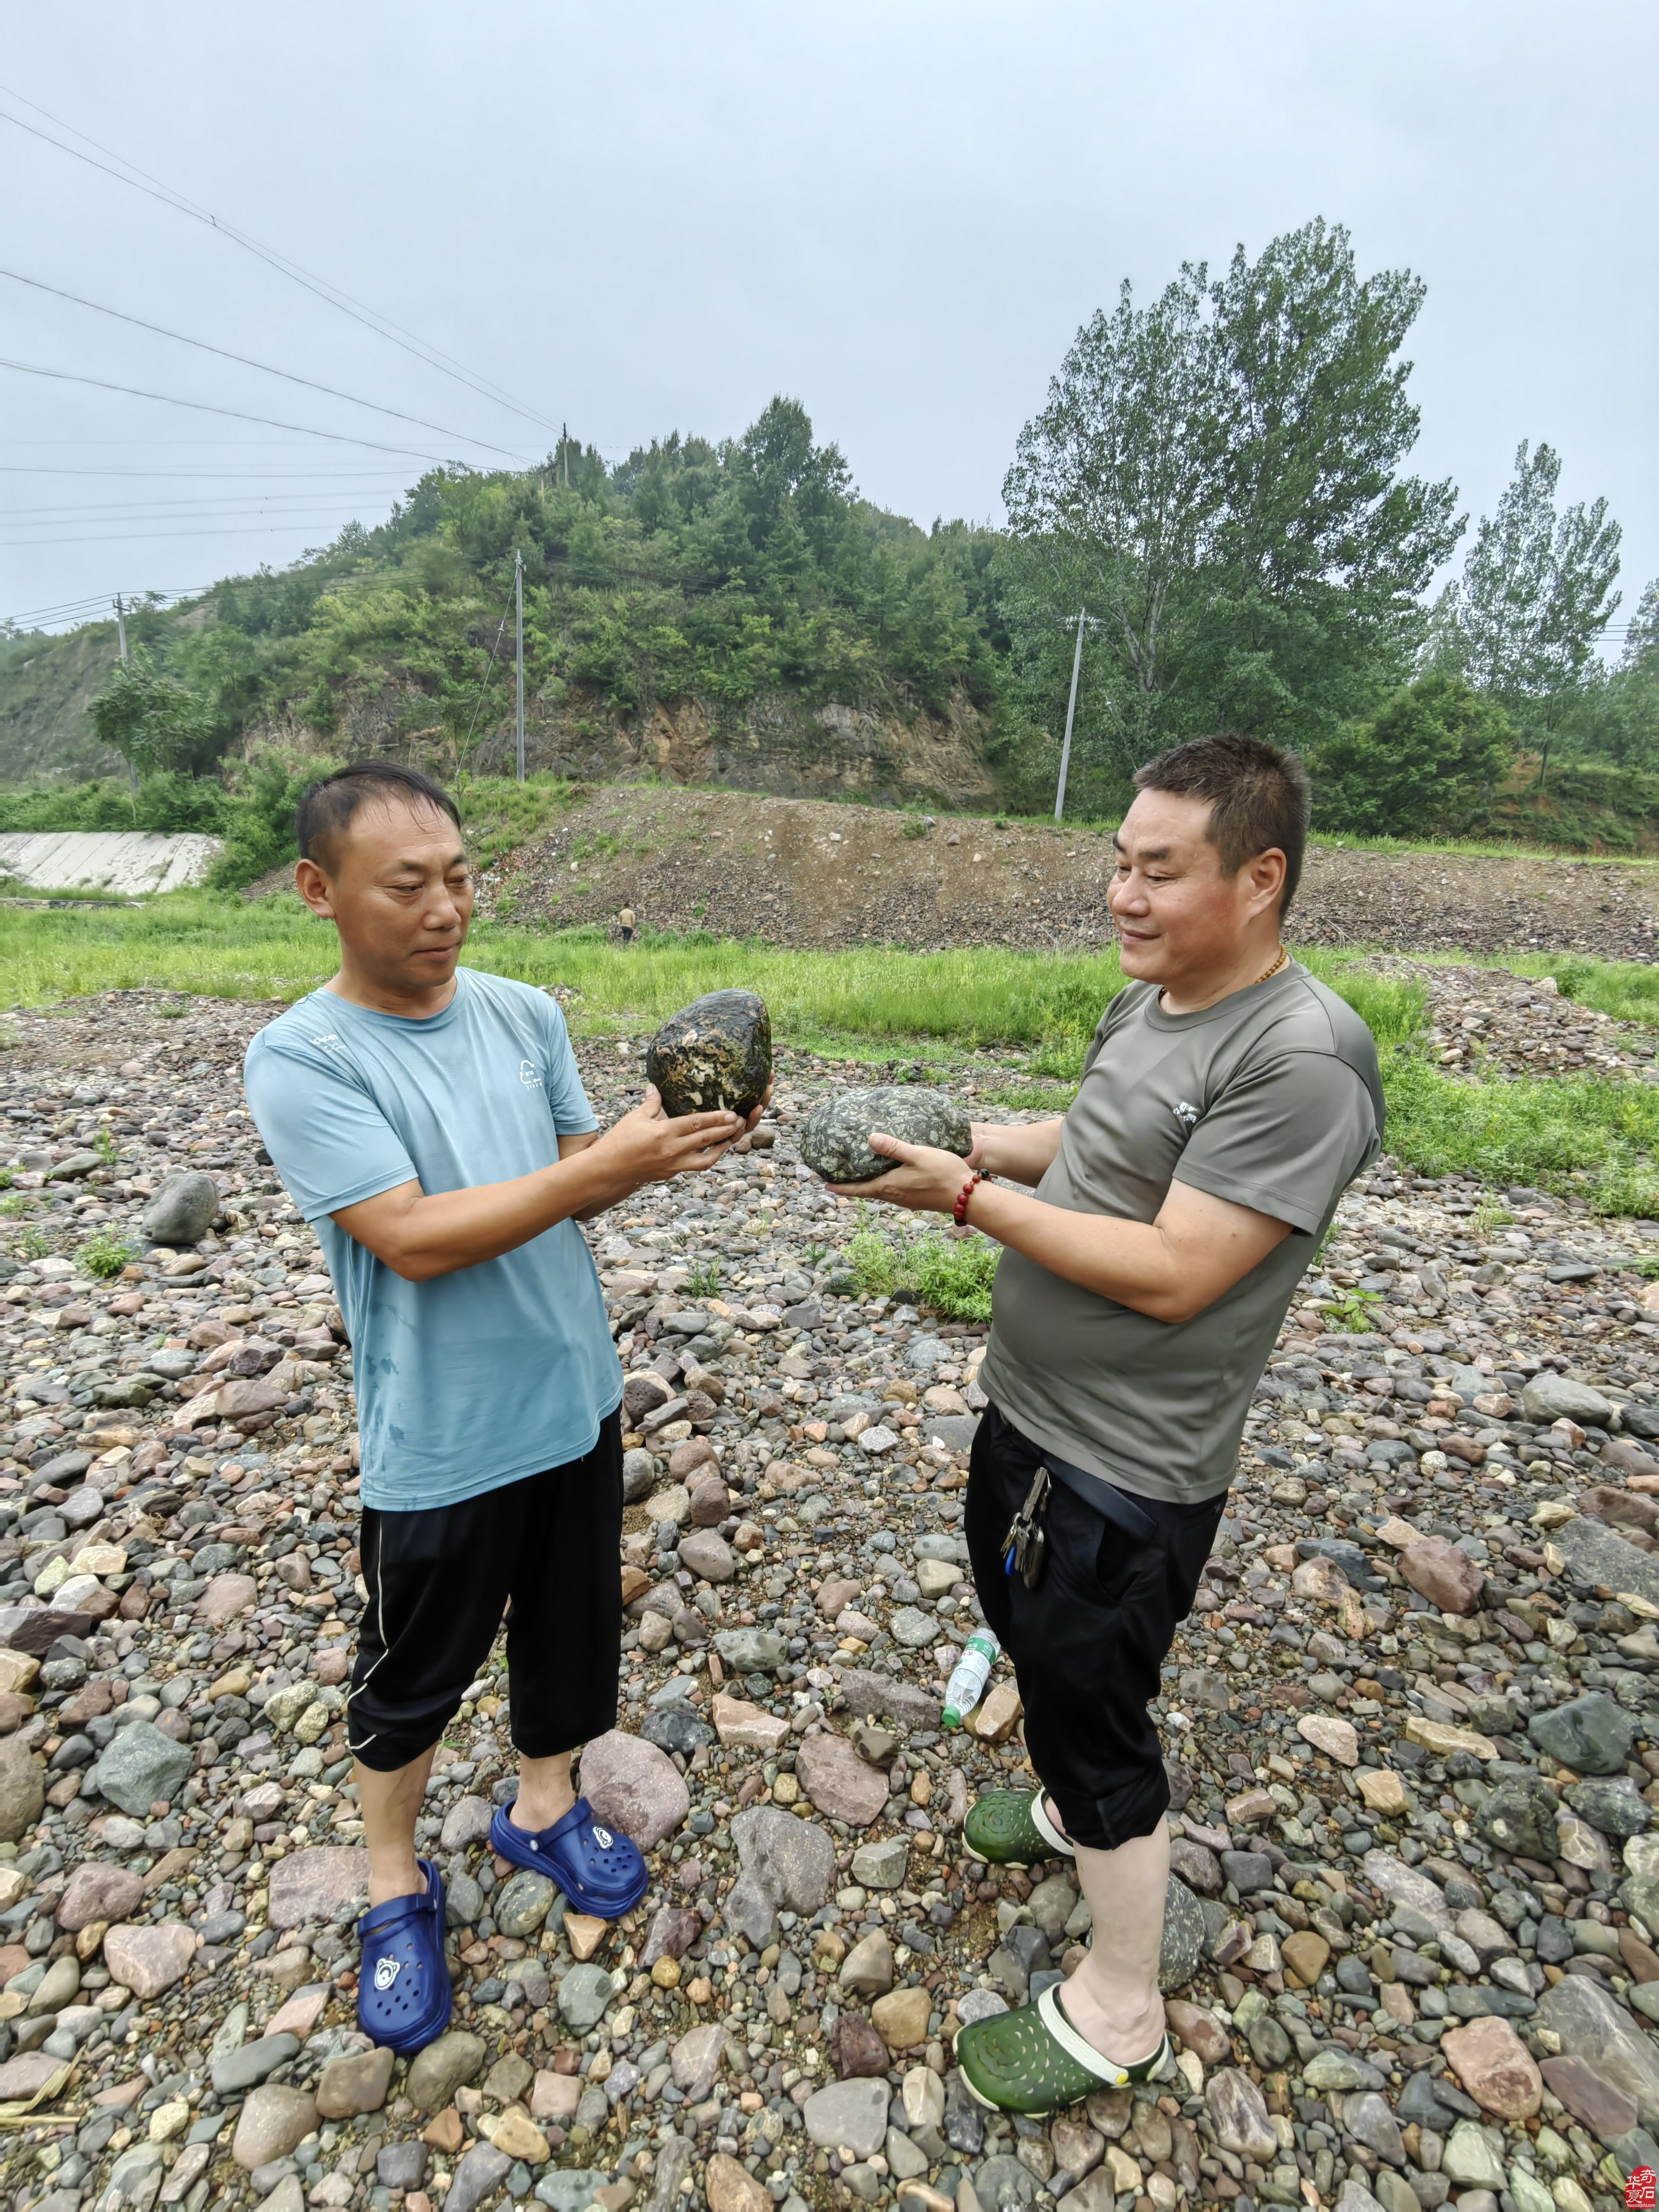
[601,1873]
[404,1994]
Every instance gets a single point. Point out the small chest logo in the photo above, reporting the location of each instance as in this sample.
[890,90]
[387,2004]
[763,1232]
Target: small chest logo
[386,1971]
[529,1075]
[1187,1115]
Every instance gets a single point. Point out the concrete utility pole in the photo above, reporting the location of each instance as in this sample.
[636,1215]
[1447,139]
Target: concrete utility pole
[1071,713]
[518,594]
[121,632]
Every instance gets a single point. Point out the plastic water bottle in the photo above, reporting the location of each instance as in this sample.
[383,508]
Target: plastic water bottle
[973,1671]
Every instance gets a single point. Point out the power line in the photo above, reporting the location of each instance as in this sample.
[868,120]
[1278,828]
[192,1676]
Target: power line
[382,325]
[203,406]
[64,608]
[144,537]
[114,509]
[244,360]
[374,478]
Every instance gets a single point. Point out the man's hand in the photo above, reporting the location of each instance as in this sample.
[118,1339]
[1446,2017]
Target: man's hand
[928,1181]
[648,1146]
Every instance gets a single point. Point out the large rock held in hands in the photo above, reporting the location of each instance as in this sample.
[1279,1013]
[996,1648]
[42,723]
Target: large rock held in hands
[836,1141]
[715,1053]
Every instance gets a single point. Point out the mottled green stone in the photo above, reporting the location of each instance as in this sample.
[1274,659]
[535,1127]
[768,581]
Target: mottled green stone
[716,1052]
[836,1141]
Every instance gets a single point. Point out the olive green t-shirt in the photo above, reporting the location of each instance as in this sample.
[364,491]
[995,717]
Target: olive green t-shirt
[1272,1099]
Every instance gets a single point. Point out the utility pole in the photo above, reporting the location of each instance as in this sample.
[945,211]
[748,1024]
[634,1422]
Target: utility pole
[1071,711]
[121,632]
[564,452]
[518,595]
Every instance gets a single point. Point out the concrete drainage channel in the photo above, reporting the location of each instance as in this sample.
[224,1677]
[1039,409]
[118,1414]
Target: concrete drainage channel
[125,863]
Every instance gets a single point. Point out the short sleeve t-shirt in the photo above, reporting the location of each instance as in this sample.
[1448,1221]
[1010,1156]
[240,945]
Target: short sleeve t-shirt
[1271,1099]
[476,1378]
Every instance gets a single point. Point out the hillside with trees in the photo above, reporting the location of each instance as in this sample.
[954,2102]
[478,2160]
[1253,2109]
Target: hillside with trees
[1219,479]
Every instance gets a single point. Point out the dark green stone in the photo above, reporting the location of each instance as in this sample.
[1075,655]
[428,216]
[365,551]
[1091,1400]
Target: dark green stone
[836,1141]
[715,1053]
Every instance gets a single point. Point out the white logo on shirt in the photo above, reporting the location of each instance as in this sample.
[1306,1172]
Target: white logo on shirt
[1188,1115]
[529,1074]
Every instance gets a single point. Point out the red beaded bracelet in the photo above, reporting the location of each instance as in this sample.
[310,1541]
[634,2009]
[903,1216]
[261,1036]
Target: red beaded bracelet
[959,1211]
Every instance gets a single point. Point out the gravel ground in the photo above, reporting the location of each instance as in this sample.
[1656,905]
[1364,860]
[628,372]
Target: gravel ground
[1488,1021]
[1410,1955]
[813,873]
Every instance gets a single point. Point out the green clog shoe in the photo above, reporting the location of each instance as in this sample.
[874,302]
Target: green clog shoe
[1033,2061]
[1011,1828]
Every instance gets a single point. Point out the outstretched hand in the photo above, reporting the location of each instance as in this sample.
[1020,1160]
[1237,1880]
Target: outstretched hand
[927,1180]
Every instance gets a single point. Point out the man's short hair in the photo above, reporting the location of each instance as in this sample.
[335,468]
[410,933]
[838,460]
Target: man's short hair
[328,808]
[1259,796]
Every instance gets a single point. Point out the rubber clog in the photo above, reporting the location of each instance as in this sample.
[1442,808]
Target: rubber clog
[1033,2061]
[601,1872]
[404,1995]
[1011,1828]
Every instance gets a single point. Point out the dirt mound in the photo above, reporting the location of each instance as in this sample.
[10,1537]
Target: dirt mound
[813,873]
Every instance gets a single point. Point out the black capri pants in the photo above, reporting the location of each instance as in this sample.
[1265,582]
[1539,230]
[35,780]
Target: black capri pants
[439,1582]
[1089,1642]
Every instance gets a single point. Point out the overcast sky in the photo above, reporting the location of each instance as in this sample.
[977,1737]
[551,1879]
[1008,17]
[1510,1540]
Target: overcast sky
[653,216]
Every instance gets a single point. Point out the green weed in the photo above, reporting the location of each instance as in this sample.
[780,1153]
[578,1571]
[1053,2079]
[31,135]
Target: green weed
[105,1255]
[31,1245]
[704,1280]
[951,1275]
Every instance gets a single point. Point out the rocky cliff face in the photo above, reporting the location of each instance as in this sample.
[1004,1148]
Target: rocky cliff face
[779,745]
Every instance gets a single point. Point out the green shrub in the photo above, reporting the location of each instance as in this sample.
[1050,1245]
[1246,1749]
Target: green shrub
[1430,758]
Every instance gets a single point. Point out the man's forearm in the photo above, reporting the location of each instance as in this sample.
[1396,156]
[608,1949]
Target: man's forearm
[1021,1151]
[1128,1261]
[420,1236]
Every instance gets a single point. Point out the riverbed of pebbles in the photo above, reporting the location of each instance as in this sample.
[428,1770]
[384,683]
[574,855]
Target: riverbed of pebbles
[1490,1021]
[1410,1957]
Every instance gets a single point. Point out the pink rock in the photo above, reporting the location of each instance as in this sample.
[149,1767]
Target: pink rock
[313,1885]
[634,1787]
[333,1668]
[148,1960]
[554,2096]
[1449,1578]
[708,1554]
[1495,2066]
[836,1596]
[837,1780]
[226,1595]
[301,2015]
[1198,2028]
[96,1890]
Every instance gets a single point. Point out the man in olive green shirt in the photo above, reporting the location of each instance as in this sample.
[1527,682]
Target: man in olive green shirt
[1227,1100]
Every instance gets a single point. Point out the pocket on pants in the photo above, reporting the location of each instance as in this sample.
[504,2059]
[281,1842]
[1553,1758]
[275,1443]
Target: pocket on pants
[1130,1547]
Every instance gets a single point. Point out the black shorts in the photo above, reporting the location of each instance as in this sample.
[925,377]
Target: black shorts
[439,1583]
[1088,1642]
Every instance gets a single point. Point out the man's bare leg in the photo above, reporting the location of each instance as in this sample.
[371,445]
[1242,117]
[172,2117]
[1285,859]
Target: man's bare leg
[545,1794]
[1113,1999]
[389,1804]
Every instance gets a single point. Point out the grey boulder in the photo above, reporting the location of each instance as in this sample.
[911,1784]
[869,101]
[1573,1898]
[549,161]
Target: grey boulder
[182,1210]
[834,1142]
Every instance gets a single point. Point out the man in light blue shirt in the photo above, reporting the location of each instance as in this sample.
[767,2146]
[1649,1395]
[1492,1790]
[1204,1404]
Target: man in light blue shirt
[430,1122]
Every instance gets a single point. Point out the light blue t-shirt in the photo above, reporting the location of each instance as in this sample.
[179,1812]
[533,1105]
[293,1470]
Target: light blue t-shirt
[477,1378]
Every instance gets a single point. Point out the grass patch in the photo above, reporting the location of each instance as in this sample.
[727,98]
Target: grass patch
[950,1275]
[202,942]
[1589,1135]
